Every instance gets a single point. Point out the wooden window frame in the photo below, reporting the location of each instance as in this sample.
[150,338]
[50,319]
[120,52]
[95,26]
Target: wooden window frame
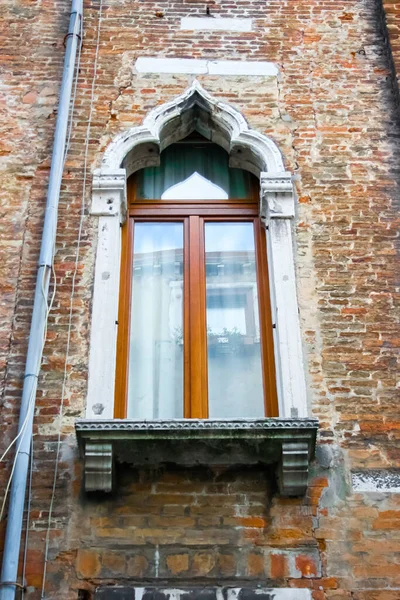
[194,214]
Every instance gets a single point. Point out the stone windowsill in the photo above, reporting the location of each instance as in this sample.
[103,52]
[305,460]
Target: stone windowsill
[286,444]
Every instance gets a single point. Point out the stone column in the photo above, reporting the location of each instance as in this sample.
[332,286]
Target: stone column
[277,213]
[109,205]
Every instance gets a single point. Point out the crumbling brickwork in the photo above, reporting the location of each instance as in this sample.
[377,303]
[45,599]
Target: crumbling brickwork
[333,113]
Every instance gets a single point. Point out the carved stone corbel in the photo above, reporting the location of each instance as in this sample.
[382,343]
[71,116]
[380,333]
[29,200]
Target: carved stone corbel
[293,469]
[276,196]
[98,467]
[109,193]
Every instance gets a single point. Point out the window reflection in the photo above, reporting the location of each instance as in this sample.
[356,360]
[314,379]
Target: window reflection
[155,388]
[233,331]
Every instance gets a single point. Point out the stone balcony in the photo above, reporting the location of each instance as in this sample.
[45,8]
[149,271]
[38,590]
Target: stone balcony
[284,446]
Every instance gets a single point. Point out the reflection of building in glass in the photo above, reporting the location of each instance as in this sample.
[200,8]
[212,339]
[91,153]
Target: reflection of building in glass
[155,353]
[232,299]
[160,276]
[233,332]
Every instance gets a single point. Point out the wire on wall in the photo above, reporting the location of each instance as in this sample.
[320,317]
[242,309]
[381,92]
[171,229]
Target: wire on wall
[49,307]
[30,408]
[71,303]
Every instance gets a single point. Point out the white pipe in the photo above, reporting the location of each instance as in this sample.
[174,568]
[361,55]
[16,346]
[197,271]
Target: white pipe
[39,316]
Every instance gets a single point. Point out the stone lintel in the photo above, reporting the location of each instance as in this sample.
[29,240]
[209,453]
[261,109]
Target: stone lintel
[201,593]
[198,66]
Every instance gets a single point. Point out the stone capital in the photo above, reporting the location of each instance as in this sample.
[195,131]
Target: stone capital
[109,193]
[276,196]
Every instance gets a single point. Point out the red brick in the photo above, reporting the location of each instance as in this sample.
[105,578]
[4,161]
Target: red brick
[88,563]
[278,566]
[178,563]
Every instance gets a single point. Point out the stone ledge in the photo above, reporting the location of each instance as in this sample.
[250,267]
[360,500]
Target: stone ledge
[286,444]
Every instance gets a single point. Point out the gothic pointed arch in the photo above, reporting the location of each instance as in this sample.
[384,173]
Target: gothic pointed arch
[195,109]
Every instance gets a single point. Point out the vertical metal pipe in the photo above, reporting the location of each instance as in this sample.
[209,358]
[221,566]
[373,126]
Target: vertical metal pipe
[39,315]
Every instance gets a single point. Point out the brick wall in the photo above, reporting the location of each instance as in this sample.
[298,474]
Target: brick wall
[333,113]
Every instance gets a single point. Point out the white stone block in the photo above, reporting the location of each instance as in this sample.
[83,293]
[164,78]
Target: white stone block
[171,65]
[194,66]
[242,67]
[383,481]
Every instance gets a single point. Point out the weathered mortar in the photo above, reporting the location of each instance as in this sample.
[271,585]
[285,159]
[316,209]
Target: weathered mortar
[332,112]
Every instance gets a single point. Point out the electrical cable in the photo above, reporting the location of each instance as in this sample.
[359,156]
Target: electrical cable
[49,307]
[82,215]
[23,426]
[28,518]
[28,411]
[67,146]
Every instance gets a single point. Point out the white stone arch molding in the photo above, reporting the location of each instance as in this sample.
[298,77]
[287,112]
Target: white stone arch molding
[139,147]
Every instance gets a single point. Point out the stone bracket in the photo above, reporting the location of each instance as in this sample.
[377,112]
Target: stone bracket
[293,469]
[109,193]
[288,443]
[98,467]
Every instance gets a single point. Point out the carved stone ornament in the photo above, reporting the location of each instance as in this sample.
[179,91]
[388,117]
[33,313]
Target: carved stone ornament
[109,193]
[98,467]
[195,109]
[288,444]
[276,196]
[293,473]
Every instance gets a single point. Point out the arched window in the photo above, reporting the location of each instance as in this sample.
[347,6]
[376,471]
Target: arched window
[181,322]
[238,169]
[195,330]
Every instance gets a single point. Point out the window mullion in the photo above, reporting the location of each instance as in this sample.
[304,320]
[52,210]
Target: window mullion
[186,323]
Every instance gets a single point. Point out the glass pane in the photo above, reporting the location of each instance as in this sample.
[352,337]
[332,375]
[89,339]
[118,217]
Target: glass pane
[155,387]
[235,386]
[179,162]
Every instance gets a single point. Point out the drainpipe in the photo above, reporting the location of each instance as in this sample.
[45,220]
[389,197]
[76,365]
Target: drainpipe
[39,316]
